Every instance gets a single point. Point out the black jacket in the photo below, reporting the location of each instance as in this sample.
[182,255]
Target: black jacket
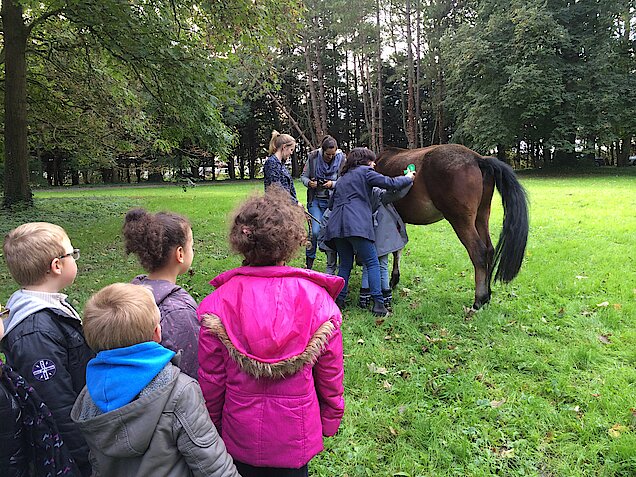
[49,350]
[13,459]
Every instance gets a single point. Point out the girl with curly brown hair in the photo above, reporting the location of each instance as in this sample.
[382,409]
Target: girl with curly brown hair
[270,348]
[163,243]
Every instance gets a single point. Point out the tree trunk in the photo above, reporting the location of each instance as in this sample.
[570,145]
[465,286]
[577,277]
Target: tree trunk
[315,108]
[410,93]
[380,125]
[322,101]
[16,154]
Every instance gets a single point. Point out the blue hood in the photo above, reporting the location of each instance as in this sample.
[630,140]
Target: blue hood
[115,377]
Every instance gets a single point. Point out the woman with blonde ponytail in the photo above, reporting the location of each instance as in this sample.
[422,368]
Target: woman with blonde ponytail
[281,147]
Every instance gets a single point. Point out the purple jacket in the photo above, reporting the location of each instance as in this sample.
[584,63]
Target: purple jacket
[179,324]
[271,365]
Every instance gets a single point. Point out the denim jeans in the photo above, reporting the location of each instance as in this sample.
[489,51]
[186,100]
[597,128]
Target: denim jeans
[316,208]
[367,253]
[384,273]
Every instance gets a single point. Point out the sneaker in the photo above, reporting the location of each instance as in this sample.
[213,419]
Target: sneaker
[379,309]
[309,263]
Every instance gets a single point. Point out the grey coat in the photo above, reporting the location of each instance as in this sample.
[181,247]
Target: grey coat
[390,231]
[166,431]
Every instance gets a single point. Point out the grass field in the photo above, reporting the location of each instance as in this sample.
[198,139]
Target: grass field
[541,382]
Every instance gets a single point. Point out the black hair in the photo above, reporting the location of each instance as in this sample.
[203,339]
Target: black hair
[359,156]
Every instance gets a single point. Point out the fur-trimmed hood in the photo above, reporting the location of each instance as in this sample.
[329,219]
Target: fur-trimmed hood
[273,320]
[276,370]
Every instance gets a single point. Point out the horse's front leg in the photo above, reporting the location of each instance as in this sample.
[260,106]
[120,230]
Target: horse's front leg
[395,272]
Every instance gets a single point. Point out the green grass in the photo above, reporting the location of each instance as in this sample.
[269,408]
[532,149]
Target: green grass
[541,382]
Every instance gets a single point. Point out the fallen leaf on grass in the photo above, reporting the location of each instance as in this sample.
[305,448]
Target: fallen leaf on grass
[617,306]
[387,385]
[360,341]
[432,340]
[375,369]
[503,452]
[405,291]
[424,349]
[581,277]
[603,304]
[379,321]
[496,404]
[616,430]
[604,339]
[596,395]
[393,432]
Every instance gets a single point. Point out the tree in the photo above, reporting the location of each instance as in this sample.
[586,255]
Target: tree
[171,56]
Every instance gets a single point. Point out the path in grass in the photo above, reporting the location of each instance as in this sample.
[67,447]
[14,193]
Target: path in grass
[540,382]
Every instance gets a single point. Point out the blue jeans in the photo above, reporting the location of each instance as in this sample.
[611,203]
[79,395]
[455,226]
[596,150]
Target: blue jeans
[384,273]
[316,208]
[366,251]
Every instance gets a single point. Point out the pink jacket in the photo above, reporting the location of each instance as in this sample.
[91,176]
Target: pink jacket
[271,365]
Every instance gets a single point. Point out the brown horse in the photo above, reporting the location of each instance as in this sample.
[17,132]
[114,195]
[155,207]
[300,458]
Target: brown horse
[457,184]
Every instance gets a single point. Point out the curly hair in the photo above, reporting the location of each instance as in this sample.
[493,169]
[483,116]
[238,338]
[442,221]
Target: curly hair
[268,229]
[153,236]
[359,156]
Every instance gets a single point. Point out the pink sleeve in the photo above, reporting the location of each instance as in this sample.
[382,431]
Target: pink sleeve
[212,358]
[328,378]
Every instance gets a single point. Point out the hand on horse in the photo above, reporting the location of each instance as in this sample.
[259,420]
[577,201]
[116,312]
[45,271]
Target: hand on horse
[411,175]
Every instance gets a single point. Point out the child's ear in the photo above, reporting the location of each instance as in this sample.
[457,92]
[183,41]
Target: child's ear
[180,254]
[156,335]
[55,266]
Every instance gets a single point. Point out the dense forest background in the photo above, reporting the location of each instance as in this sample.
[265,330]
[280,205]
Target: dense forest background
[103,91]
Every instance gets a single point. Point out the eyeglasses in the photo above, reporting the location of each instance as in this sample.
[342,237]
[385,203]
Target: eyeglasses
[75,254]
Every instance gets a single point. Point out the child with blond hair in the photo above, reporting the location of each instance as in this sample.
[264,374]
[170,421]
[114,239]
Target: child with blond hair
[139,413]
[43,340]
[270,348]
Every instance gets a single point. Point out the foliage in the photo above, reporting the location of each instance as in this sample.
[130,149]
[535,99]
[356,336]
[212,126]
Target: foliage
[539,382]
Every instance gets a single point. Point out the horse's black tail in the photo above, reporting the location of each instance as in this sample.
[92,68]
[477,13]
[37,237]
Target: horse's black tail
[514,234]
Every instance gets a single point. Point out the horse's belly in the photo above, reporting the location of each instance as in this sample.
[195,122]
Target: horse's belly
[423,213]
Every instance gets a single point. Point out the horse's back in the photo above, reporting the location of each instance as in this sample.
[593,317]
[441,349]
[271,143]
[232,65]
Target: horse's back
[444,173]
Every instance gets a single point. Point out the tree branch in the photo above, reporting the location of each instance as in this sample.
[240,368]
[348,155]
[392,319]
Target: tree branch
[42,19]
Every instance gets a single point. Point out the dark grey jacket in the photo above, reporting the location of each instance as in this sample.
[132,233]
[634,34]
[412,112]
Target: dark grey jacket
[390,231]
[165,432]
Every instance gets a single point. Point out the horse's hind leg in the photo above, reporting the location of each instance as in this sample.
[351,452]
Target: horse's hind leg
[481,223]
[395,272]
[477,251]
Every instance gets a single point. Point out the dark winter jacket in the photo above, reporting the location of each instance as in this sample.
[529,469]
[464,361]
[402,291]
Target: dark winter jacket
[309,173]
[351,214]
[275,172]
[13,456]
[46,346]
[179,323]
[30,443]
[164,432]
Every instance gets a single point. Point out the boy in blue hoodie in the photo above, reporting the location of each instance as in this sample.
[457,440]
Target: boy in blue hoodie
[43,339]
[139,413]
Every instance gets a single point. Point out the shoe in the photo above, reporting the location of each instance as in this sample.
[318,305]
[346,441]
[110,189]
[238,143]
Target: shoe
[379,309]
[364,298]
[388,299]
[309,263]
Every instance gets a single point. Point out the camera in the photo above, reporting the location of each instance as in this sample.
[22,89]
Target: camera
[320,182]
